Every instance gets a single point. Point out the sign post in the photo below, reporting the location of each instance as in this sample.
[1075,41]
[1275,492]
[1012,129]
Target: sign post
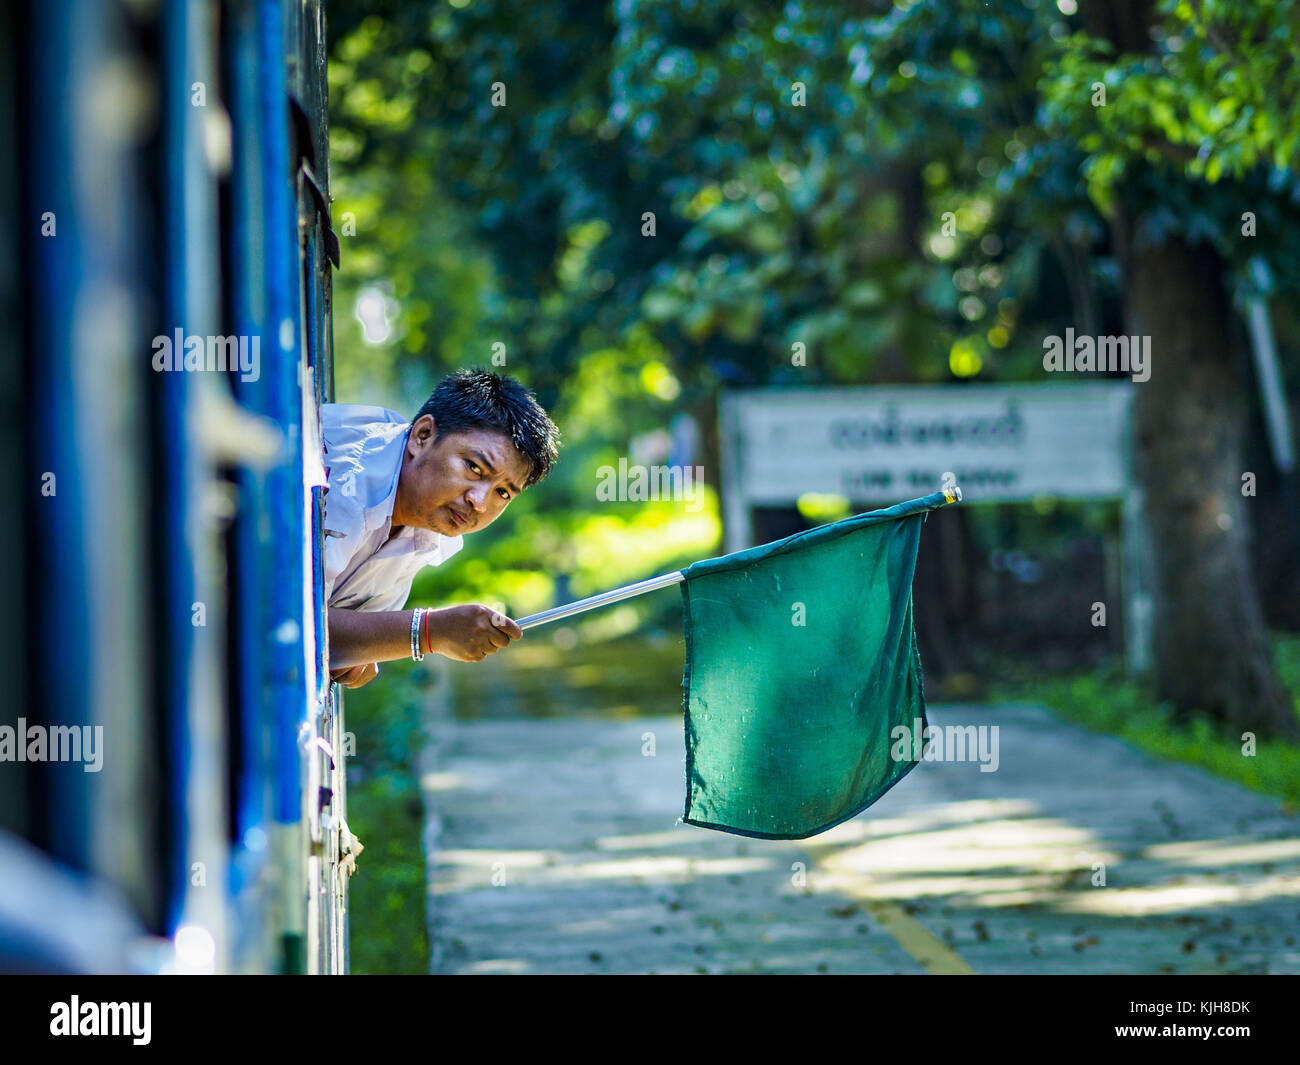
[1003,443]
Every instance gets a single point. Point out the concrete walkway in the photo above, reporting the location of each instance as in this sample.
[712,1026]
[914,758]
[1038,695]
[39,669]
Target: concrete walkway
[554,848]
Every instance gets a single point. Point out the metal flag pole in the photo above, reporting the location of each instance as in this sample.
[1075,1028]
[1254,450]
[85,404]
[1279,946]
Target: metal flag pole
[950,495]
[593,601]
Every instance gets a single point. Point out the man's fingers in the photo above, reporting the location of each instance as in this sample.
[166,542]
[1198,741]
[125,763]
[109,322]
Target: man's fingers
[486,633]
[356,676]
[507,625]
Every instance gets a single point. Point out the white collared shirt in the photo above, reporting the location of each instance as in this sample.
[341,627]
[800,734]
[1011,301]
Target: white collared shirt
[363,457]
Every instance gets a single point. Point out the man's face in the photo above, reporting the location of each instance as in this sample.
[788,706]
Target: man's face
[469,475]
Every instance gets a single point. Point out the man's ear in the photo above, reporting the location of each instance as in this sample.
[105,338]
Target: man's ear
[423,431]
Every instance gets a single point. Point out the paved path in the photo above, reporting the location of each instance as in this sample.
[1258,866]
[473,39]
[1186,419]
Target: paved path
[954,870]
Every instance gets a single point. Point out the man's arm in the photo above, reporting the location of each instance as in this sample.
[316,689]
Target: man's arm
[466,633]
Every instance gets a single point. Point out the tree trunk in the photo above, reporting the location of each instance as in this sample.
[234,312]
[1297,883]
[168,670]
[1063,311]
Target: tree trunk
[1212,648]
[944,588]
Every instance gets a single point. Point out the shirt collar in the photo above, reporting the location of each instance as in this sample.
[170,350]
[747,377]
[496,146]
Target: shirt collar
[387,466]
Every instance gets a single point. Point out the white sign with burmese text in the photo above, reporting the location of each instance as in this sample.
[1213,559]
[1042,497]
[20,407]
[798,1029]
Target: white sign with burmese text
[1004,443]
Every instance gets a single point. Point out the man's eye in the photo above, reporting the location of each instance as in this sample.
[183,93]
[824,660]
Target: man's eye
[474,466]
[504,494]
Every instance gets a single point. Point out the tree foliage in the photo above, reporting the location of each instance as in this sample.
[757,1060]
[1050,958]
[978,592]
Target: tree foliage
[916,190]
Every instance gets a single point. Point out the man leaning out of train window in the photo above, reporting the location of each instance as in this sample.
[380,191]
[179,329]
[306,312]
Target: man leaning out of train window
[403,495]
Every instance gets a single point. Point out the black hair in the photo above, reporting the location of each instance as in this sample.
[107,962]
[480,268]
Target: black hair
[479,399]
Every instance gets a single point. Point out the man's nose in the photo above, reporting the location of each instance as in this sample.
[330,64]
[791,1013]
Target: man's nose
[477,496]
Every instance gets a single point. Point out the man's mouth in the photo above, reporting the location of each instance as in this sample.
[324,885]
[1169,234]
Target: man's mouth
[457,518]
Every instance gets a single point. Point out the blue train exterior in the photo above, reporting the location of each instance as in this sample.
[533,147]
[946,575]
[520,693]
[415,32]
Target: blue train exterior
[165,349]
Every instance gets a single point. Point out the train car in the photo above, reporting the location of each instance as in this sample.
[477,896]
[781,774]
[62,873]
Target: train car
[172,786]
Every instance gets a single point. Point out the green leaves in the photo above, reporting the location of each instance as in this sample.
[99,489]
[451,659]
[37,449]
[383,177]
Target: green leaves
[777,223]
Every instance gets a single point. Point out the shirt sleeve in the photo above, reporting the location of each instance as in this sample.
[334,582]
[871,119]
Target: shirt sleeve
[396,597]
[392,600]
[343,519]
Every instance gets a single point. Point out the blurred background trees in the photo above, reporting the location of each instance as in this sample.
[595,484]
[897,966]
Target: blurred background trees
[674,195]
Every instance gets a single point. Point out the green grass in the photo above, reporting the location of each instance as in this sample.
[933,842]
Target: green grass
[1107,701]
[388,932]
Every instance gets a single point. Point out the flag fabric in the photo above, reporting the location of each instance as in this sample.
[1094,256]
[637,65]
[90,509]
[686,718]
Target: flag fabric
[801,664]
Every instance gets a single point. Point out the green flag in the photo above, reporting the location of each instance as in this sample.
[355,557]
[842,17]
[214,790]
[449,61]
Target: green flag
[801,661]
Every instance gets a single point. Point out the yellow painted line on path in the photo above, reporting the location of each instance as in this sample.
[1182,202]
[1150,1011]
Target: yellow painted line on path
[929,951]
[918,942]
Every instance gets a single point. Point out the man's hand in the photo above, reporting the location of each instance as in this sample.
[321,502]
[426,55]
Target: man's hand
[470,633]
[356,676]
[360,638]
